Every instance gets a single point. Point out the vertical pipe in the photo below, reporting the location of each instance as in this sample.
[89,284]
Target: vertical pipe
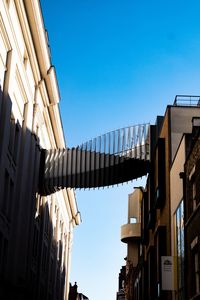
[118,146]
[113,133]
[123,139]
[104,143]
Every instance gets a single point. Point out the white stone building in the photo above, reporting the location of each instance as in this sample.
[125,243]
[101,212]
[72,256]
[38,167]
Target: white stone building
[35,231]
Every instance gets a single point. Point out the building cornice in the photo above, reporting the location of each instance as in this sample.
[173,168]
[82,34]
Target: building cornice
[47,71]
[39,36]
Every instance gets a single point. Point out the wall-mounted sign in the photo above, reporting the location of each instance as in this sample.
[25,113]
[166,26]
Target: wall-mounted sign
[167,267]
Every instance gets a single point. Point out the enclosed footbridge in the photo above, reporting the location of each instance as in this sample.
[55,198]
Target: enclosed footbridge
[113,158]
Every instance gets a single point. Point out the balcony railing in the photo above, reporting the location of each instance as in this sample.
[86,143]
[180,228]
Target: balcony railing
[130,141]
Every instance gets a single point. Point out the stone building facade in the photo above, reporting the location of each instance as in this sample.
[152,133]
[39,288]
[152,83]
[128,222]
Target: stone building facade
[35,230]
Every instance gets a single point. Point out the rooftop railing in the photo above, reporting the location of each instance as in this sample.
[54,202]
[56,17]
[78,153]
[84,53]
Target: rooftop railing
[186,100]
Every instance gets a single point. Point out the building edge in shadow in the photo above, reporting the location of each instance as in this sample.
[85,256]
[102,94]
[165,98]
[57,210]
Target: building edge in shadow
[74,294]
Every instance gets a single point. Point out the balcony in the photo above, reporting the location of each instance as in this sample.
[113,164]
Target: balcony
[130,232]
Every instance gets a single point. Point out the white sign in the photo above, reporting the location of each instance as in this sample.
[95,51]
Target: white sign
[167,267]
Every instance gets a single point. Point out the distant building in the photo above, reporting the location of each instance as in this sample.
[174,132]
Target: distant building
[121,295]
[74,295]
[121,284]
[131,235]
[36,231]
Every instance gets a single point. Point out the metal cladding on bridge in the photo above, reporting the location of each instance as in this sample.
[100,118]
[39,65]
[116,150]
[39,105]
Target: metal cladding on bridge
[113,158]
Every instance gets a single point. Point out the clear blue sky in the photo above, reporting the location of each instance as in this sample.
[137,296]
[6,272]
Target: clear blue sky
[118,63]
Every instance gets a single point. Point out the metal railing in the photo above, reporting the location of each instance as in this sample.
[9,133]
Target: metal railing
[130,141]
[186,100]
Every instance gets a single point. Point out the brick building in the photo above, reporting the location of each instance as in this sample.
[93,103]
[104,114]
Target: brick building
[192,215]
[157,233]
[169,214]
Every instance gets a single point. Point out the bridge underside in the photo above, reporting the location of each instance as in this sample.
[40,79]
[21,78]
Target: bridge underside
[113,158]
[77,168]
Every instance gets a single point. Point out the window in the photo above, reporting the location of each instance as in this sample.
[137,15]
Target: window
[196,269]
[8,2]
[35,241]
[59,251]
[11,135]
[44,258]
[51,270]
[7,195]
[25,59]
[16,142]
[14,136]
[180,250]
[3,254]
[133,220]
[194,204]
[46,220]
